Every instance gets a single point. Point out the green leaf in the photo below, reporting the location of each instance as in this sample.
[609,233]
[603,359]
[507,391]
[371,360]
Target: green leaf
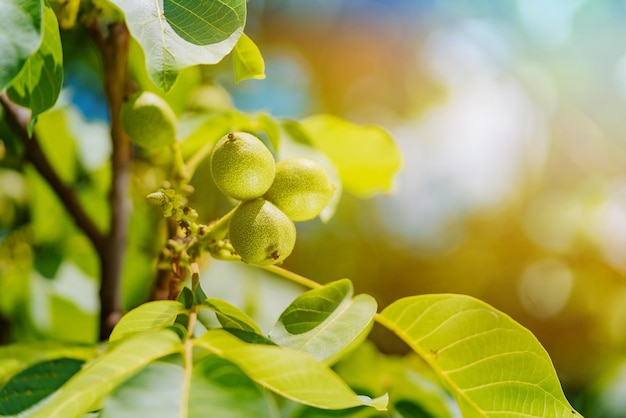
[199,294]
[247,60]
[179,34]
[186,297]
[219,386]
[16,357]
[230,316]
[146,317]
[156,391]
[165,388]
[293,374]
[38,84]
[491,364]
[366,157]
[326,322]
[249,337]
[20,37]
[35,383]
[104,374]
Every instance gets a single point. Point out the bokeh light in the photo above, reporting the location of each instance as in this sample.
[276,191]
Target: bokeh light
[510,115]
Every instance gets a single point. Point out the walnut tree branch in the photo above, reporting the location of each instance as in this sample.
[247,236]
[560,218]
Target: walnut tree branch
[17,119]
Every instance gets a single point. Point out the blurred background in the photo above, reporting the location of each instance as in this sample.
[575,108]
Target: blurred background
[511,116]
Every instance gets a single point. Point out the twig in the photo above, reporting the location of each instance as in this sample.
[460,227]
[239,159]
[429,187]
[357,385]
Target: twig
[294,277]
[17,118]
[114,51]
[308,283]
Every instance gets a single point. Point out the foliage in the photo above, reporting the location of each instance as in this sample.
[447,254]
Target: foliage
[167,357]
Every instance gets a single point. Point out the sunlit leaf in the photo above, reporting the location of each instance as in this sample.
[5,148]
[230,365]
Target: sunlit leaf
[167,388]
[156,391]
[146,317]
[20,36]
[366,157]
[35,383]
[247,60]
[104,374]
[17,357]
[491,364]
[217,385]
[293,374]
[325,321]
[411,384]
[179,34]
[250,337]
[38,84]
[230,316]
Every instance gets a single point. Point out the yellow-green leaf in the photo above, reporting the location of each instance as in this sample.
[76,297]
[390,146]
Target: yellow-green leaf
[492,365]
[103,375]
[366,157]
[229,315]
[175,34]
[147,317]
[247,60]
[326,322]
[20,36]
[293,374]
[38,84]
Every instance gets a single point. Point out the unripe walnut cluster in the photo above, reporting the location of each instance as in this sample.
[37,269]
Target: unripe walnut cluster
[273,196]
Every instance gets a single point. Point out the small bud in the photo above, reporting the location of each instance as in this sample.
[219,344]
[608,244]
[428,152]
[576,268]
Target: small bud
[156,198]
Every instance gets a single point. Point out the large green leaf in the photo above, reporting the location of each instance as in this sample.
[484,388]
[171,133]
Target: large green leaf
[358,412]
[219,386]
[229,316]
[366,157]
[38,84]
[247,60]
[156,391]
[411,384]
[35,383]
[212,386]
[104,374]
[16,357]
[182,33]
[20,36]
[293,374]
[491,364]
[326,321]
[146,317]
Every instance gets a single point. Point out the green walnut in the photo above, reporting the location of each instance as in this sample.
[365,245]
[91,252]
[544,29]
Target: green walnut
[242,166]
[261,233]
[301,188]
[148,120]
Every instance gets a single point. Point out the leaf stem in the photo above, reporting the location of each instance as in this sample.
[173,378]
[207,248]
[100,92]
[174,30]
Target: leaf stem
[219,228]
[294,277]
[179,168]
[188,360]
[311,284]
[194,161]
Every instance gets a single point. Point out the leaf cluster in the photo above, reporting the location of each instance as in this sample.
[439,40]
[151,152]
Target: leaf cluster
[194,355]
